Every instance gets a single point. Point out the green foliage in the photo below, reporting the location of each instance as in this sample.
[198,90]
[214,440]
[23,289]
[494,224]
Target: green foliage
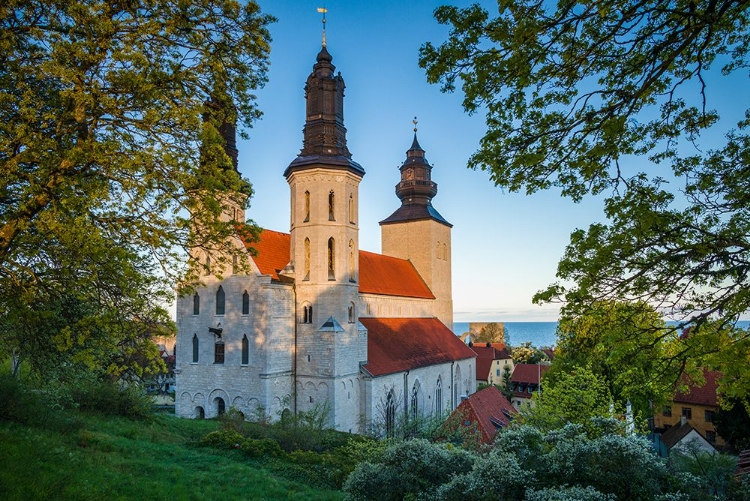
[574,397]
[407,470]
[494,476]
[525,353]
[627,345]
[733,425]
[103,185]
[714,472]
[112,399]
[565,493]
[493,332]
[612,98]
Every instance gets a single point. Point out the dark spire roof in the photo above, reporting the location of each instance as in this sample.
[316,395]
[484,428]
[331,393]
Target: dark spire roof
[416,189]
[324,140]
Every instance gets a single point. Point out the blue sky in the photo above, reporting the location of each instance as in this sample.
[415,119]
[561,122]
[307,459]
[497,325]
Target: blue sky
[505,246]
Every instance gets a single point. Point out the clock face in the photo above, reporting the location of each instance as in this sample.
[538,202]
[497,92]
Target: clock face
[409,174]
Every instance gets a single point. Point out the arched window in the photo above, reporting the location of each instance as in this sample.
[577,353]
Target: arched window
[445,251]
[390,414]
[331,201]
[234,264]
[307,259]
[352,317]
[220,406]
[331,259]
[456,386]
[199,413]
[196,304]
[437,250]
[414,404]
[351,208]
[195,348]
[352,277]
[220,301]
[306,313]
[219,351]
[245,350]
[307,207]
[208,265]
[439,397]
[245,303]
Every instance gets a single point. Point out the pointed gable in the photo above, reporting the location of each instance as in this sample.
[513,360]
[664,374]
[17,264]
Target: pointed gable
[489,409]
[401,344]
[378,274]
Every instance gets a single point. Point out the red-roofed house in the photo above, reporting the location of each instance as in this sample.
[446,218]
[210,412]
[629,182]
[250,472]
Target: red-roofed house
[486,409]
[697,407]
[315,321]
[526,380]
[492,361]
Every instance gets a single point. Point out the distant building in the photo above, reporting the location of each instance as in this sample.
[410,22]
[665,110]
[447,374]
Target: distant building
[682,438]
[486,409]
[696,407]
[492,360]
[526,381]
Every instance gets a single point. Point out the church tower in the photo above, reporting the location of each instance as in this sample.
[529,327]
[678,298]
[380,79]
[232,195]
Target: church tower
[417,232]
[324,261]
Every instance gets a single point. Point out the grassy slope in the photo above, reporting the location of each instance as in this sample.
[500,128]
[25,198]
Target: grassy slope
[115,458]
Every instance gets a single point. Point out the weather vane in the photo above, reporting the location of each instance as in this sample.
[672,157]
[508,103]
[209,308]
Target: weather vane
[323,11]
[415,124]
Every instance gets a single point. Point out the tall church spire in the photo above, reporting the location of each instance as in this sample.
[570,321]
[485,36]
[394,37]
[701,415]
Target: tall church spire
[416,188]
[324,142]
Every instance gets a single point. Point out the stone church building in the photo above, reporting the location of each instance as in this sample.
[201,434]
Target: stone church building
[317,322]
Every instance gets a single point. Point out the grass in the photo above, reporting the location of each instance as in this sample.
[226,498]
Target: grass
[116,458]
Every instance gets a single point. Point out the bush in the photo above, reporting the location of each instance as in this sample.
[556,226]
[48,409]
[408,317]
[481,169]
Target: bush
[260,448]
[110,399]
[25,405]
[222,439]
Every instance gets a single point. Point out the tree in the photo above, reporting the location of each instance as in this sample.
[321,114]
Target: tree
[733,425]
[507,383]
[579,96]
[112,165]
[575,397]
[493,332]
[627,345]
[525,353]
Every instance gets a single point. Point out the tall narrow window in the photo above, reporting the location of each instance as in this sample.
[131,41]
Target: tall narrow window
[351,208]
[439,397]
[195,348]
[390,414]
[331,201]
[307,207]
[220,406]
[306,314]
[245,303]
[220,301]
[415,401]
[352,317]
[307,259]
[208,265]
[445,251]
[219,351]
[245,350]
[437,250]
[331,259]
[196,304]
[352,278]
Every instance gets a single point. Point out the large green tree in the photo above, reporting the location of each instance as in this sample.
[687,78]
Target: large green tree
[112,166]
[618,98]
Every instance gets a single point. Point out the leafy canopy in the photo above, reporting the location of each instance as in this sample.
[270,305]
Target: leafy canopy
[103,185]
[619,99]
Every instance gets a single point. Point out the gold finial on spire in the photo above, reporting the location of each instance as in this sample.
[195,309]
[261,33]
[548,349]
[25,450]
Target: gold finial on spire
[323,11]
[415,124]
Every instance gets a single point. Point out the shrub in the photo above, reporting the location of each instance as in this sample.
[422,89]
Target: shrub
[110,399]
[260,448]
[222,439]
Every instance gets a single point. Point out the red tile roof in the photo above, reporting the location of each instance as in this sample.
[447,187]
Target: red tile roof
[528,373]
[378,274]
[700,395]
[489,409]
[486,355]
[401,344]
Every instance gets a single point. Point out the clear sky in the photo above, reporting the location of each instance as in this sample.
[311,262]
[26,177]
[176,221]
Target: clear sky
[505,246]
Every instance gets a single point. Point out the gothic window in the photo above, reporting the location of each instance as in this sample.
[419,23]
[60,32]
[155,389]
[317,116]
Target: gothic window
[439,397]
[331,259]
[220,301]
[195,348]
[196,304]
[414,404]
[220,406]
[456,384]
[245,303]
[437,250]
[351,208]
[307,312]
[351,261]
[390,414]
[307,206]
[445,251]
[208,265]
[351,313]
[331,201]
[307,259]
[219,351]
[245,350]
[234,264]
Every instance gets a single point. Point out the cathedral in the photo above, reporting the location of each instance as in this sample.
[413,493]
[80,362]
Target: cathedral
[317,323]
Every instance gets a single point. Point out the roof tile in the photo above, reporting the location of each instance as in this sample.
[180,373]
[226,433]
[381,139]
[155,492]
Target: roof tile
[489,409]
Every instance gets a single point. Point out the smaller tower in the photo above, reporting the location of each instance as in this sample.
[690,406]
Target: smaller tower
[417,232]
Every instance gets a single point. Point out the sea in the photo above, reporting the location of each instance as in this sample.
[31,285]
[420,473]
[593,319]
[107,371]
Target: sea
[539,334]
